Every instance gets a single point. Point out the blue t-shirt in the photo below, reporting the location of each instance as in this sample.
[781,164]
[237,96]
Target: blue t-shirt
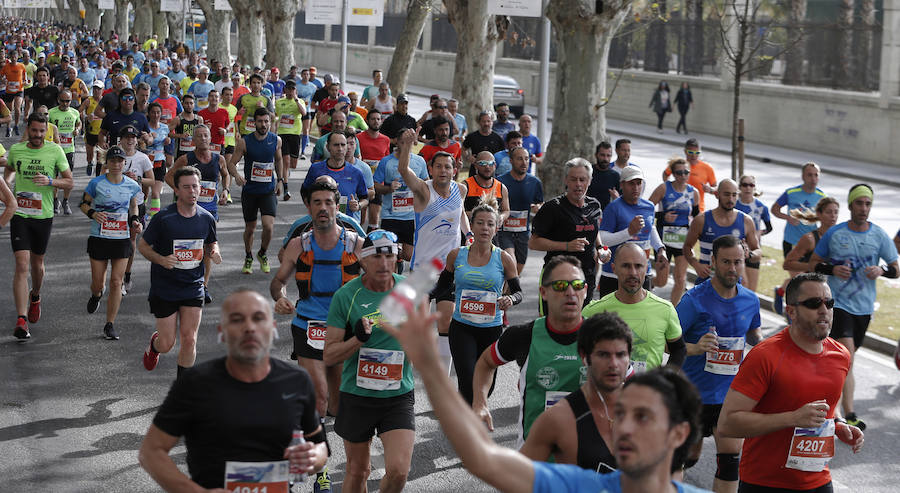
[701,308]
[326,277]
[523,193]
[87,76]
[680,202]
[386,172]
[276,86]
[170,232]
[756,210]
[349,179]
[366,171]
[306,91]
[504,166]
[259,163]
[502,129]
[569,478]
[461,124]
[153,80]
[840,245]
[533,144]
[796,198]
[155,150]
[316,82]
[112,198]
[200,90]
[617,216]
[176,76]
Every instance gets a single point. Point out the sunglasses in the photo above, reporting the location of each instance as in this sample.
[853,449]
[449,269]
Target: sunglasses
[485,163]
[815,303]
[65,100]
[748,184]
[442,107]
[379,234]
[127,98]
[692,153]
[681,172]
[560,286]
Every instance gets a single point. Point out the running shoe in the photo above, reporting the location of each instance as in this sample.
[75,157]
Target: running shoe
[263,263]
[34,311]
[853,420]
[90,169]
[287,195]
[21,329]
[322,483]
[16,130]
[127,285]
[8,132]
[93,303]
[110,334]
[778,301]
[124,291]
[228,199]
[65,207]
[55,206]
[248,265]
[151,357]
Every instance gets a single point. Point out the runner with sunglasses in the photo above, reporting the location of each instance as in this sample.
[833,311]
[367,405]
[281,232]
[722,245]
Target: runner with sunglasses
[545,349]
[702,177]
[850,254]
[678,203]
[749,204]
[783,400]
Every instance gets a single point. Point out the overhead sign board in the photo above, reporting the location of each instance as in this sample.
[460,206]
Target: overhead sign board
[516,8]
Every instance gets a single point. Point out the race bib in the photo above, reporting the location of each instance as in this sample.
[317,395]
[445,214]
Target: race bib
[203,102]
[188,252]
[207,191]
[30,203]
[115,226]
[65,139]
[262,172]
[638,366]
[727,359]
[287,122]
[478,307]
[517,222]
[342,204]
[159,164]
[251,124]
[373,163]
[315,334]
[551,397]
[12,86]
[229,132]
[166,116]
[257,477]
[379,369]
[402,202]
[215,147]
[187,144]
[812,448]
[674,236]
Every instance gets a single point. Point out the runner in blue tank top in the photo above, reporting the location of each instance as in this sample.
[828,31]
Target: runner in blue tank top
[759,212]
[723,220]
[678,202]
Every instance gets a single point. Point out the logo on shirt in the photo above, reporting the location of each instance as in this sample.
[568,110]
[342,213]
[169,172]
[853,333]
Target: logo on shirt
[548,377]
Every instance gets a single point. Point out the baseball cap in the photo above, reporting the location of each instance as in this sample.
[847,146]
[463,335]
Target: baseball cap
[401,98]
[128,131]
[98,83]
[631,173]
[379,241]
[344,99]
[290,84]
[116,151]
[275,70]
[42,55]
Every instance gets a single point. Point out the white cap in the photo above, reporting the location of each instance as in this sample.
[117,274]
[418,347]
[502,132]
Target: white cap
[631,172]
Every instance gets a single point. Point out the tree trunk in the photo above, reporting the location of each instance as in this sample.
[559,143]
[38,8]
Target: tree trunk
[218,24]
[107,22]
[175,20]
[656,58]
[121,14]
[417,13]
[739,63]
[693,39]
[868,76]
[278,17]
[796,56]
[160,22]
[583,39]
[477,35]
[844,69]
[70,15]
[143,19]
[249,19]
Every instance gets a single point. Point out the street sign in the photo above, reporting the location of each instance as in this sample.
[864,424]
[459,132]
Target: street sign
[517,8]
[326,12]
[171,5]
[366,13]
[222,5]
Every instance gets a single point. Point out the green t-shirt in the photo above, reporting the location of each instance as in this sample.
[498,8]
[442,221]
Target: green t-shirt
[384,370]
[65,121]
[653,321]
[35,201]
[229,132]
[357,121]
[249,101]
[287,117]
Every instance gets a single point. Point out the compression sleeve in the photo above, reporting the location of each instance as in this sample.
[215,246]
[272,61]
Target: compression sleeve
[515,290]
[613,239]
[655,242]
[444,284]
[677,352]
[695,211]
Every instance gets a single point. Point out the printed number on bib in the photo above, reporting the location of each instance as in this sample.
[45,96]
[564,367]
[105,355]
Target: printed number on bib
[727,359]
[251,124]
[30,203]
[551,397]
[315,334]
[379,369]
[287,121]
[166,116]
[203,102]
[478,307]
[812,448]
[402,202]
[517,222]
[638,366]
[115,226]
[65,139]
[262,172]
[229,132]
[207,191]
[215,147]
[342,204]
[187,144]
[188,252]
[257,477]
[674,236]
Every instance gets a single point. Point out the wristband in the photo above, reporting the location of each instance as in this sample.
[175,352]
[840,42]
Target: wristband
[840,420]
[824,268]
[134,217]
[359,330]
[889,271]
[51,182]
[90,213]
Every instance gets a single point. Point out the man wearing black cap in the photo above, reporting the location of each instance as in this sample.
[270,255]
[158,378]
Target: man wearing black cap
[114,122]
[399,120]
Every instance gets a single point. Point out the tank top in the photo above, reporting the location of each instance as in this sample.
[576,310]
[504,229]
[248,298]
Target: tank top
[475,191]
[93,124]
[209,180]
[816,237]
[477,290]
[437,226]
[674,233]
[593,453]
[186,144]
[385,108]
[259,163]
[712,230]
[325,278]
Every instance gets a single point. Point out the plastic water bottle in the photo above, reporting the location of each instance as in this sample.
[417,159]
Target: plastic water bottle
[396,306]
[296,476]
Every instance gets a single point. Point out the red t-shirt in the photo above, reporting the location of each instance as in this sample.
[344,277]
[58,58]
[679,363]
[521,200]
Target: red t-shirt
[432,148]
[169,108]
[781,377]
[215,121]
[373,149]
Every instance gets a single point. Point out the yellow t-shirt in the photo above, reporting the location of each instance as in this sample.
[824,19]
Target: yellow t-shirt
[132,72]
[186,84]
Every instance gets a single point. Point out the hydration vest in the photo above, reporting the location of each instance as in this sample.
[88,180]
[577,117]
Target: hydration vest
[306,260]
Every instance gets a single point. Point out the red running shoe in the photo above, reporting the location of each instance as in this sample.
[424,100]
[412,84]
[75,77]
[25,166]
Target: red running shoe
[21,329]
[151,357]
[34,311]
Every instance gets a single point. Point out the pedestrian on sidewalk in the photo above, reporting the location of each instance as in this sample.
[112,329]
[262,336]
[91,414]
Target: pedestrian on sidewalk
[661,104]
[685,102]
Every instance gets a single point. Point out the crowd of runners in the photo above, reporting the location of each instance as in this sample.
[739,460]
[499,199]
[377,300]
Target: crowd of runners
[618,385]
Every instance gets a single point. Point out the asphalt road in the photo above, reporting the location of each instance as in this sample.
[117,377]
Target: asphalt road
[74,407]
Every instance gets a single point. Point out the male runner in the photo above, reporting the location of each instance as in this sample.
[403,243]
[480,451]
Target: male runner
[397,214]
[289,111]
[526,196]
[182,127]
[248,103]
[351,182]
[68,122]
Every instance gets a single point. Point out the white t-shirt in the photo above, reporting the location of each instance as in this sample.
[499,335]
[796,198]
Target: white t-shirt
[139,164]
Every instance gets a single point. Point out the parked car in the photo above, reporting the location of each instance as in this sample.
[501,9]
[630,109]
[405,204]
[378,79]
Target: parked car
[507,90]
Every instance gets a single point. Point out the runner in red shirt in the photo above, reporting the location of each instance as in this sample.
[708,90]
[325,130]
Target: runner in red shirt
[783,399]
[217,120]
[373,145]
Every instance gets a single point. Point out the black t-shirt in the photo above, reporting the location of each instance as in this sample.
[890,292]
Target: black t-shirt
[428,129]
[109,102]
[560,220]
[223,419]
[319,95]
[114,122]
[396,123]
[601,182]
[515,342]
[42,96]
[477,142]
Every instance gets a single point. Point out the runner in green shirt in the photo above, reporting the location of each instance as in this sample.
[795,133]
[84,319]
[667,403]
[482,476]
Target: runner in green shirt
[653,320]
[377,382]
[248,103]
[40,168]
[228,150]
[68,122]
[289,111]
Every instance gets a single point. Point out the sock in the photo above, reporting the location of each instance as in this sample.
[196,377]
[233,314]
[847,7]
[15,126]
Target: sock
[262,252]
[23,317]
[154,207]
[304,141]
[179,370]
[35,297]
[248,254]
[127,276]
[285,186]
